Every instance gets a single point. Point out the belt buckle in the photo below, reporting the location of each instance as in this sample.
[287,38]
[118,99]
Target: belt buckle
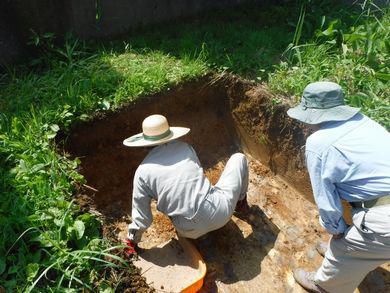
[357,204]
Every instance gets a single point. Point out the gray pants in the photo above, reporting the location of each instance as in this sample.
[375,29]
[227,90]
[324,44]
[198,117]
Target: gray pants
[365,246]
[218,206]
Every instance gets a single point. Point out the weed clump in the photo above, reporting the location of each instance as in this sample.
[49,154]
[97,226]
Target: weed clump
[45,240]
[351,49]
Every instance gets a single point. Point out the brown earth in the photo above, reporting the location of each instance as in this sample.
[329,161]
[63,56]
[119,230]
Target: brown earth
[251,254]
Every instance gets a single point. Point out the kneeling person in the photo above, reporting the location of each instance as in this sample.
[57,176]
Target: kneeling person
[172,175]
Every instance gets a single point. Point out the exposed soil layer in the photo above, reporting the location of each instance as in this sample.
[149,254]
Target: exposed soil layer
[251,254]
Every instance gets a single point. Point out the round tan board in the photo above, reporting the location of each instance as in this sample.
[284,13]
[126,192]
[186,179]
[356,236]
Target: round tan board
[171,266]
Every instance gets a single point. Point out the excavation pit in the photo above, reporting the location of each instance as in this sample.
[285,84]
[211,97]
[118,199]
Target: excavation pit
[251,254]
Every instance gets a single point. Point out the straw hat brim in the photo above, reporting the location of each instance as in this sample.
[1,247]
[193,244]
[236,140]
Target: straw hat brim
[138,140]
[317,116]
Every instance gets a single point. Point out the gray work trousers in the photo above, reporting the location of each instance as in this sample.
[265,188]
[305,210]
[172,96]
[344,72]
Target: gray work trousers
[218,206]
[365,246]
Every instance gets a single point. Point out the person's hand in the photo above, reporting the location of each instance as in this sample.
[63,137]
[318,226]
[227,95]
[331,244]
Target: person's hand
[338,236]
[130,248]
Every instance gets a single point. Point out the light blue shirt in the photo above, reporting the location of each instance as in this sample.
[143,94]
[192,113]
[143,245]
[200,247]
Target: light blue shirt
[347,160]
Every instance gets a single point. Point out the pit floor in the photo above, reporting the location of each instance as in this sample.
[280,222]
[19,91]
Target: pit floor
[258,252]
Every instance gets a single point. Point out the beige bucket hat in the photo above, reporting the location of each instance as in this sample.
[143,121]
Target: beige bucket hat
[155,131]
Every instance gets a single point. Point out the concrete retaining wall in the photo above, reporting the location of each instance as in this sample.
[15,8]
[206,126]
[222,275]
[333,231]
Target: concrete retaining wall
[89,18]
[110,18]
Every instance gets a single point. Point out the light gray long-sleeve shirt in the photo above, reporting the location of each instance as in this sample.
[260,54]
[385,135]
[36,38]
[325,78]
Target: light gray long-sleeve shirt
[172,175]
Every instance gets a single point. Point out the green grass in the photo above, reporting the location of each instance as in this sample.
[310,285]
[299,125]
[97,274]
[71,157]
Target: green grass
[351,49]
[46,242]
[248,41]
[99,81]
[41,231]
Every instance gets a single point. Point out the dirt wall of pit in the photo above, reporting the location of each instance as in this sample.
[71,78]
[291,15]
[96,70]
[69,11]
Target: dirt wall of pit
[268,134]
[225,116]
[109,166]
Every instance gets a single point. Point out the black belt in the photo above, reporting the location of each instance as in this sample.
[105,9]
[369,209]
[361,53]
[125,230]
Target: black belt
[384,200]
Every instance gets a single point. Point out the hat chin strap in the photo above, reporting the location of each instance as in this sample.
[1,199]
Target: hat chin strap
[157,137]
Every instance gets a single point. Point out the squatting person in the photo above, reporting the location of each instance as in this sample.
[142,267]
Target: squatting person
[172,175]
[348,157]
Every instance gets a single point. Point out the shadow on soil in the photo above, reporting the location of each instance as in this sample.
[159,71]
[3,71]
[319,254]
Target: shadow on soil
[377,281]
[229,253]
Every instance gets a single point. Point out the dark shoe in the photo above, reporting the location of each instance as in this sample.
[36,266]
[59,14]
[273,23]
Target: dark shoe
[242,207]
[322,247]
[306,280]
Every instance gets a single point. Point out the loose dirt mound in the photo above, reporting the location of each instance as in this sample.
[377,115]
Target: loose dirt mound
[253,254]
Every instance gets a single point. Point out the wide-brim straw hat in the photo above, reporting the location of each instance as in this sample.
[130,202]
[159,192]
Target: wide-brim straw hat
[322,102]
[155,131]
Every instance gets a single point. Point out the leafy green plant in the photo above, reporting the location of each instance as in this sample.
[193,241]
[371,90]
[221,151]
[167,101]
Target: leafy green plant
[46,242]
[351,49]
